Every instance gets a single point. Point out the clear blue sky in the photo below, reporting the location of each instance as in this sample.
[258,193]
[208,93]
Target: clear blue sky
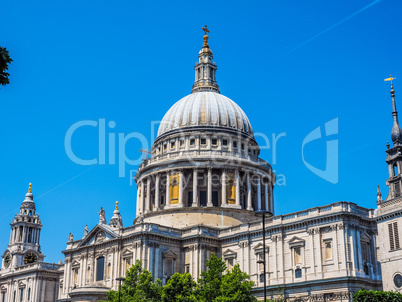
[291,65]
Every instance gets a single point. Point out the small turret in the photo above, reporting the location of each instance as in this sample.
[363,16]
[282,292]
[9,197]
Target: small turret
[116,221]
[205,69]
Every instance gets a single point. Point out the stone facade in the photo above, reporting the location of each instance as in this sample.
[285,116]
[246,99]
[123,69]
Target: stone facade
[198,194]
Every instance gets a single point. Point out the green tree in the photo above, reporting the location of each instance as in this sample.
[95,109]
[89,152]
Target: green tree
[236,287]
[5,59]
[376,296]
[209,285]
[137,286]
[179,288]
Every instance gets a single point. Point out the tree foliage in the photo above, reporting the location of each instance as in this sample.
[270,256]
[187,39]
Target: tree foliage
[137,286]
[5,59]
[217,284]
[376,296]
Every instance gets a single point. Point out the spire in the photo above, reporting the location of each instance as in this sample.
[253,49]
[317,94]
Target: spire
[379,195]
[205,69]
[116,221]
[396,132]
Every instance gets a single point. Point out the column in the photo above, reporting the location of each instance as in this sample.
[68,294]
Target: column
[238,189]
[318,249]
[195,188]
[138,198]
[224,202]
[156,273]
[258,193]
[167,189]
[181,188]
[271,194]
[359,249]
[209,198]
[142,197]
[266,197]
[249,205]
[157,193]
[196,267]
[148,202]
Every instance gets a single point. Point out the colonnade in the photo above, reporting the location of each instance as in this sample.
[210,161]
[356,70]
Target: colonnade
[164,185]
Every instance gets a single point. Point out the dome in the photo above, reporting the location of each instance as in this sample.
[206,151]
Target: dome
[205,109]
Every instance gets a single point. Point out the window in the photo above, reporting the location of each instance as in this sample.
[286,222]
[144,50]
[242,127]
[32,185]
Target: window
[192,142]
[242,146]
[230,263]
[214,141]
[187,268]
[260,257]
[126,264]
[234,144]
[297,255]
[225,142]
[203,141]
[21,294]
[3,297]
[393,236]
[164,147]
[181,142]
[328,249]
[172,145]
[397,281]
[261,278]
[29,294]
[100,266]
[75,274]
[109,266]
[298,273]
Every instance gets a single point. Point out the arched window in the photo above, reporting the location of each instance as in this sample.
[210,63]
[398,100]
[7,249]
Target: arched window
[100,267]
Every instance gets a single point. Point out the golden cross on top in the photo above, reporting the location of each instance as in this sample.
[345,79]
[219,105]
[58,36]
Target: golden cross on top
[205,29]
[389,79]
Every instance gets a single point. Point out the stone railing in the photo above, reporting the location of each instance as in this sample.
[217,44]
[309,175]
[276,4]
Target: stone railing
[211,154]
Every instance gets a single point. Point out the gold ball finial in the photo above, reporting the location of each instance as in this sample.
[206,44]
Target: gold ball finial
[206,31]
[30,188]
[117,205]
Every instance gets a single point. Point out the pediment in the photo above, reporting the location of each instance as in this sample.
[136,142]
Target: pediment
[296,241]
[365,237]
[229,253]
[75,263]
[260,247]
[100,233]
[169,254]
[127,253]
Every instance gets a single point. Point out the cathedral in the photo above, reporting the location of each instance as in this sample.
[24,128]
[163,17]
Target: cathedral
[199,193]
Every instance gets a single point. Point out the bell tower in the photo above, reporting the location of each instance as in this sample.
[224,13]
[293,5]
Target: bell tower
[24,247]
[394,154]
[205,69]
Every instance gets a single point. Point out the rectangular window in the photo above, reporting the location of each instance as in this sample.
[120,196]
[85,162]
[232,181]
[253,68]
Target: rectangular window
[181,142]
[214,141]
[192,142]
[100,267]
[393,236]
[297,255]
[187,268]
[328,250]
[225,142]
[164,147]
[29,294]
[172,145]
[21,294]
[242,146]
[230,263]
[203,141]
[3,297]
[234,144]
